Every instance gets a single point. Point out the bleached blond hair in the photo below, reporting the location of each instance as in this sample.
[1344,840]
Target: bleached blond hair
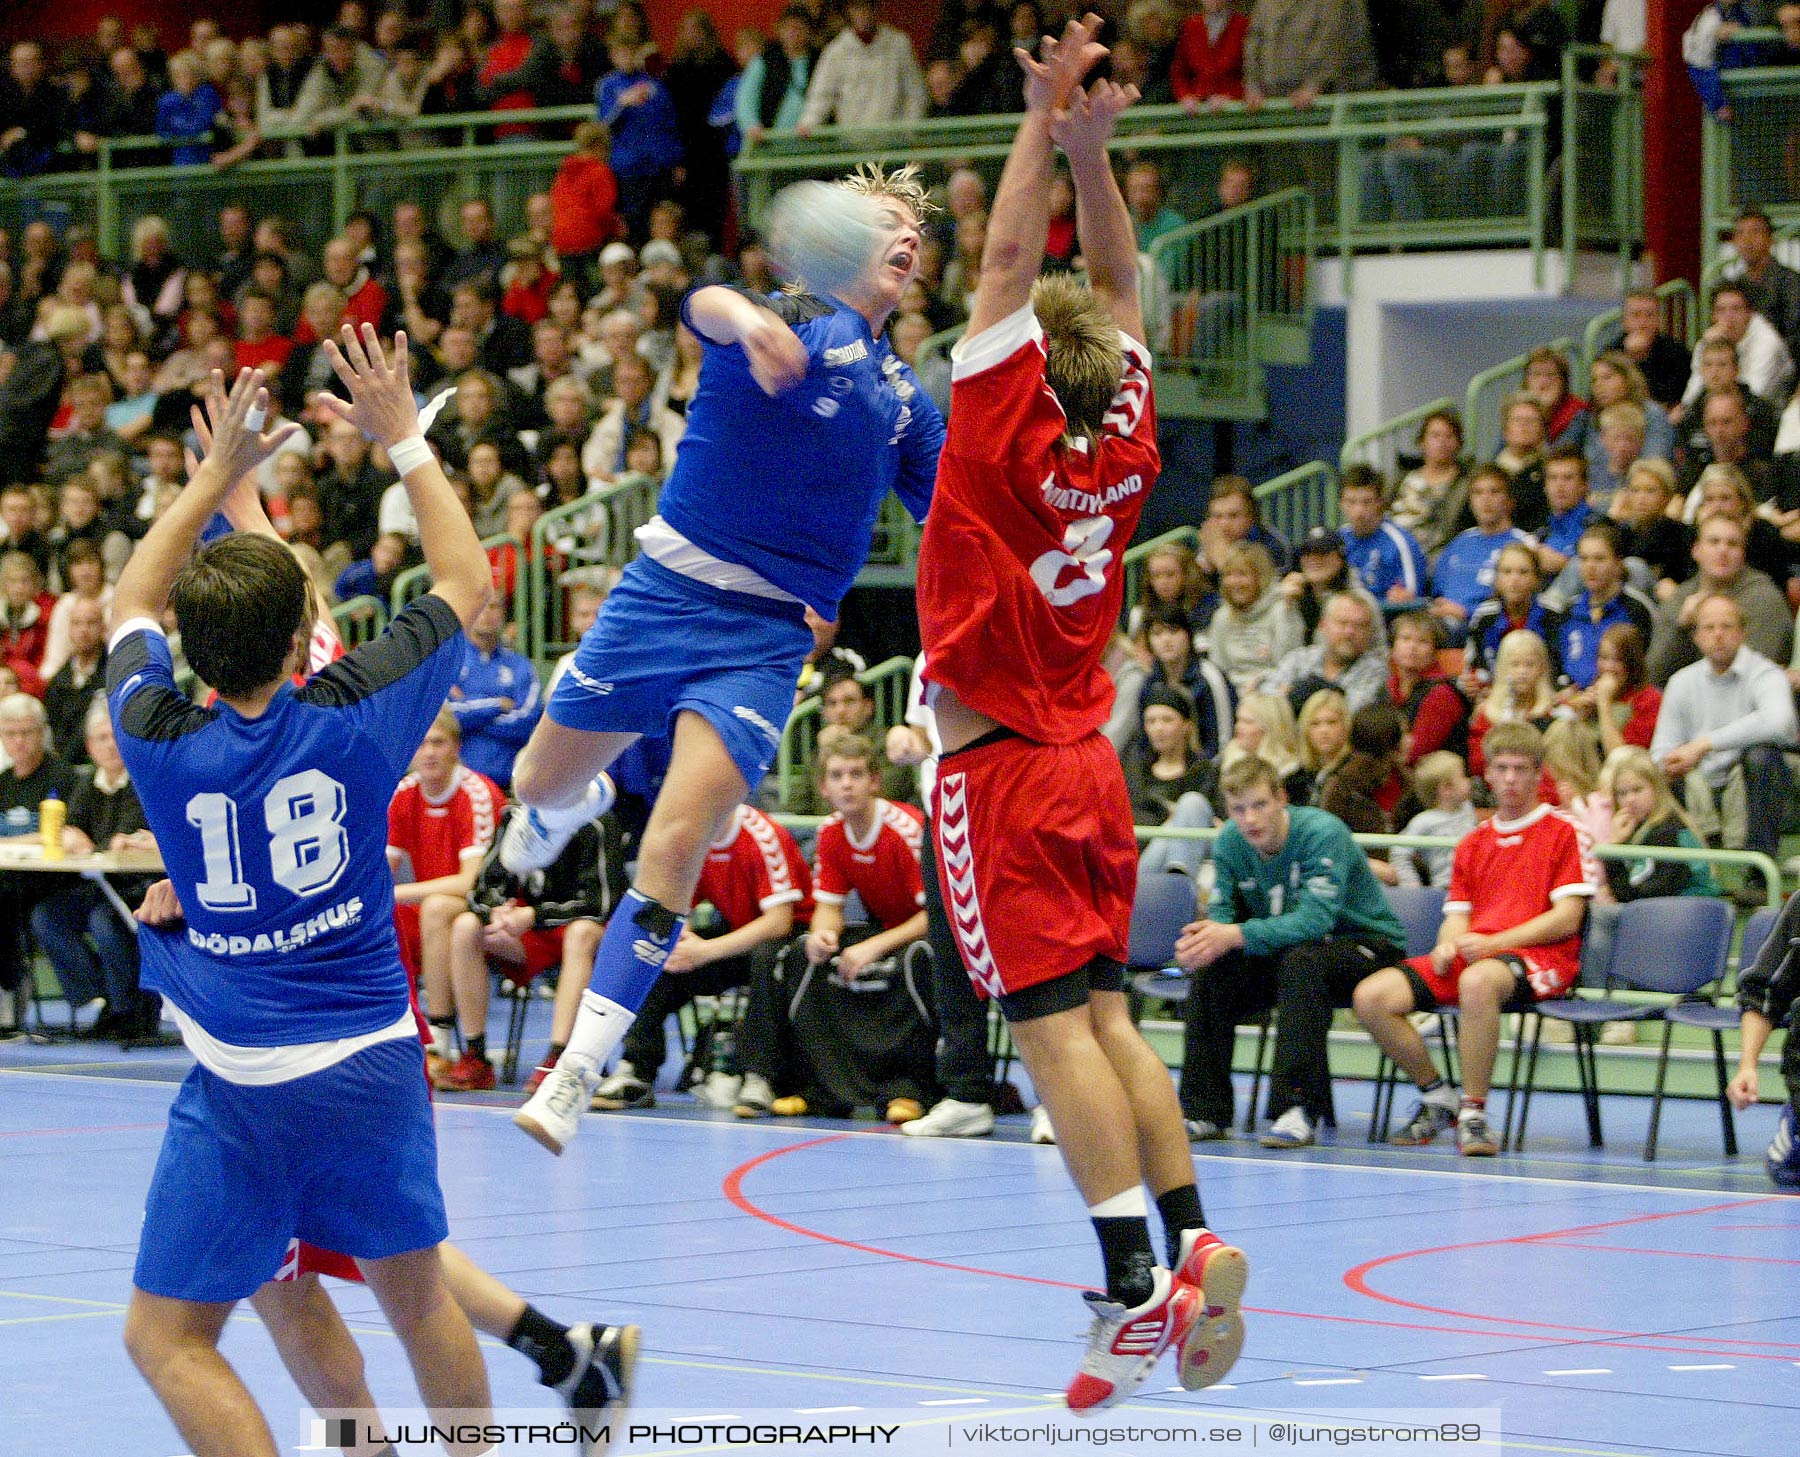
[871,179]
[1083,359]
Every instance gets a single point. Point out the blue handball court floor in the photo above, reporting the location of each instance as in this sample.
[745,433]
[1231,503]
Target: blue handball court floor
[813,1286]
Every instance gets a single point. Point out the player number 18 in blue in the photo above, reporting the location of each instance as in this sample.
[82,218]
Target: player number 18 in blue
[308,846]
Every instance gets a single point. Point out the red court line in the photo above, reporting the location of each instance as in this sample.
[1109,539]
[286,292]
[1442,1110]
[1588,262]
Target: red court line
[1565,1244]
[92,1128]
[733,1188]
[1357,1279]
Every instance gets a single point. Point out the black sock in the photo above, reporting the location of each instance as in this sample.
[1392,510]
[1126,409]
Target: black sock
[1125,1246]
[1180,1210]
[545,1343]
[556,1051]
[1432,1086]
[476,1046]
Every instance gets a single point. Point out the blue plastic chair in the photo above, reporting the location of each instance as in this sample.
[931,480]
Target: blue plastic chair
[1421,911]
[1718,1020]
[1674,945]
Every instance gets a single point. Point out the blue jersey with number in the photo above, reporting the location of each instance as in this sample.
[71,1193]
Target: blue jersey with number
[274,831]
[789,485]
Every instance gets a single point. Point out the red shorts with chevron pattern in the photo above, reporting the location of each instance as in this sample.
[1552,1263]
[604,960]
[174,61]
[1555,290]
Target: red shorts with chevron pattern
[1039,858]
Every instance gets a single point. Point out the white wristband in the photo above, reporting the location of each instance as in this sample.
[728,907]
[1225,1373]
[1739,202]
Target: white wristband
[408,455]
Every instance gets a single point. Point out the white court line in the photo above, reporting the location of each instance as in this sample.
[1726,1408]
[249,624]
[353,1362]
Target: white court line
[801,1135]
[1592,1371]
[1331,1381]
[958,1401]
[1456,1376]
[1716,1366]
[810,1411]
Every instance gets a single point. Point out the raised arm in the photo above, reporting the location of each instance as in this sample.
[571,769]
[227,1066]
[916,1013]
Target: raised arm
[236,449]
[1019,222]
[381,405]
[1102,221]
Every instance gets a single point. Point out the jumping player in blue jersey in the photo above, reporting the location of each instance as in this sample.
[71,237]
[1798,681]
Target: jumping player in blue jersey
[271,813]
[803,421]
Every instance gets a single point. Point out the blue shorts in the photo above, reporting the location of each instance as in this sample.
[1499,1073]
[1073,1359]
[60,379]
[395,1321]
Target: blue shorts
[665,642]
[345,1158]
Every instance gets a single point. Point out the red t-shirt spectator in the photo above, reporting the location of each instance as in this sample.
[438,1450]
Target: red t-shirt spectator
[266,354]
[754,867]
[584,203]
[1204,67]
[23,639]
[533,302]
[883,868]
[505,56]
[1434,709]
[1644,707]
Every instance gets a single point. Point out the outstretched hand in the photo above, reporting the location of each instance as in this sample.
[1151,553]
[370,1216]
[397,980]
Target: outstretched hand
[1083,127]
[231,435]
[1052,78]
[381,403]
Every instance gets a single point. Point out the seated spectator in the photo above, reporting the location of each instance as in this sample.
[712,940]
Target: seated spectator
[33,775]
[522,927]
[83,569]
[1321,571]
[1467,569]
[847,706]
[1771,549]
[1524,439]
[69,693]
[1175,664]
[25,609]
[375,576]
[87,434]
[757,882]
[1718,375]
[1255,626]
[1773,289]
[1386,558]
[1171,575]
[365,300]
[350,491]
[848,1030]
[1727,441]
[1265,728]
[1346,657]
[1661,358]
[1208,65]
[186,111]
[1616,445]
[1523,691]
[1295,921]
[1764,365]
[1146,190]
[1371,783]
[1566,501]
[1435,712]
[1170,784]
[1547,382]
[1726,721]
[492,487]
[1719,555]
[502,342]
[1622,702]
[1324,724]
[632,406]
[1606,599]
[131,415]
[92,950]
[1511,934]
[1431,499]
[772,93]
[1441,781]
[1232,515]
[1616,380]
[1645,812]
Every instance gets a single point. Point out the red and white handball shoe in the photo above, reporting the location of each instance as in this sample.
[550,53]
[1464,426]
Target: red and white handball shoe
[1217,1273]
[1125,1343]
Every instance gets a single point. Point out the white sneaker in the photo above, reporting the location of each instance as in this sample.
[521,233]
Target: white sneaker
[552,1115]
[949,1118]
[1293,1129]
[535,837]
[1041,1131]
[755,1099]
[1125,1344]
[720,1090]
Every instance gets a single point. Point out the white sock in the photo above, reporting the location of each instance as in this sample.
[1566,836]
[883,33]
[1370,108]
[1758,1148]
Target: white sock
[1446,1096]
[1127,1204]
[440,1040]
[595,801]
[600,1026]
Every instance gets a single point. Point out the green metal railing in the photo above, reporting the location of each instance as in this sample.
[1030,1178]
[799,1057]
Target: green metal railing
[360,620]
[1485,398]
[1603,155]
[1752,159]
[415,582]
[1234,295]
[1297,500]
[1137,559]
[1680,320]
[587,541]
[889,684]
[1383,446]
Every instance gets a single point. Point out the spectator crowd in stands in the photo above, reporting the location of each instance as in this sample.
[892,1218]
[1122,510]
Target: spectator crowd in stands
[1620,571]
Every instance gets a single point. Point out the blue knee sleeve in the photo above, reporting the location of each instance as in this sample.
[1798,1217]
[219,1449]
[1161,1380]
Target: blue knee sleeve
[637,943]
